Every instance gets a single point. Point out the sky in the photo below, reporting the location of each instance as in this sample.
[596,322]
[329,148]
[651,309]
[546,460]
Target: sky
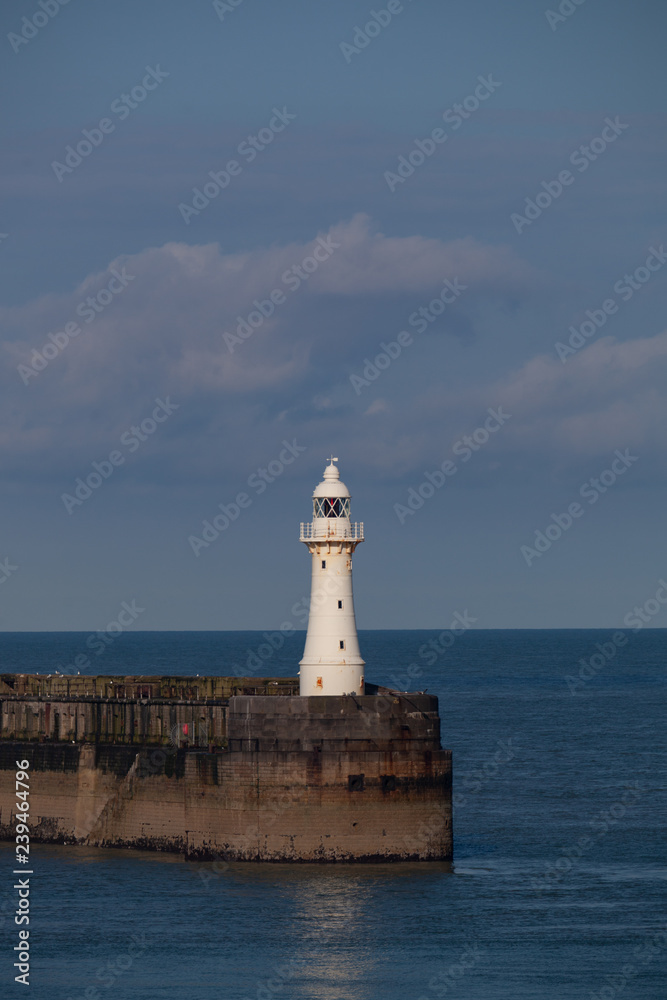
[423,236]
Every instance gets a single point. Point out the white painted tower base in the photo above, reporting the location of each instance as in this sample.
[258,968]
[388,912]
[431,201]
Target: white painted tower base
[331,662]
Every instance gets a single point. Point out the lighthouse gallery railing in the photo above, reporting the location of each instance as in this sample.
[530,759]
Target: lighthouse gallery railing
[331,528]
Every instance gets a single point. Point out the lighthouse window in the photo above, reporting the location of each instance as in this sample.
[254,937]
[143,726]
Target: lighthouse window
[340,604]
[342,644]
[324,564]
[331,507]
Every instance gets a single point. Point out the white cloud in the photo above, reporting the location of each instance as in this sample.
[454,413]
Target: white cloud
[164,331]
[609,396]
[164,334]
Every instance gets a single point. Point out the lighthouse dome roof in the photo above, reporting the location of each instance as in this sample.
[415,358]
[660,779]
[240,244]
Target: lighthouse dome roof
[331,485]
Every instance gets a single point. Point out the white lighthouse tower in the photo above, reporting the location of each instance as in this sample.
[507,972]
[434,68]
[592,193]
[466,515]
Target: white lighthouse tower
[331,663]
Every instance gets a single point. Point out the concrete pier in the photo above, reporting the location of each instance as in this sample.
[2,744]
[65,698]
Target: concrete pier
[240,768]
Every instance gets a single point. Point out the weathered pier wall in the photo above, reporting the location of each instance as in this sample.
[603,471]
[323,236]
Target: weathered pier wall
[285,778]
[129,710]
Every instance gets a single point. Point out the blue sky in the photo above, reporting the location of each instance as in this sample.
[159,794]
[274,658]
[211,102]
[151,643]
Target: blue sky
[122,298]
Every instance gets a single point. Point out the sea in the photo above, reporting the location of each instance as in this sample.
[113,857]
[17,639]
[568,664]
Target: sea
[557,890]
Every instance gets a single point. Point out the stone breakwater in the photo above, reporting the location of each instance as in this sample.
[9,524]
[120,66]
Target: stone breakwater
[233,767]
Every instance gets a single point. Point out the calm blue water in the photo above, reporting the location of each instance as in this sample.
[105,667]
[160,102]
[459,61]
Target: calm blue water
[527,911]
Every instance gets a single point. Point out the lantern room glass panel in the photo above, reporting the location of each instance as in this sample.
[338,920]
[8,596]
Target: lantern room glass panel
[331,507]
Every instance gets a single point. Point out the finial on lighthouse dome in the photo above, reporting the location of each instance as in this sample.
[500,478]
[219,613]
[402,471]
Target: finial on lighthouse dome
[331,485]
[331,471]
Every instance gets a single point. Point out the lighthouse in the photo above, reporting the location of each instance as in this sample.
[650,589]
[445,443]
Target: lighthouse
[331,662]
